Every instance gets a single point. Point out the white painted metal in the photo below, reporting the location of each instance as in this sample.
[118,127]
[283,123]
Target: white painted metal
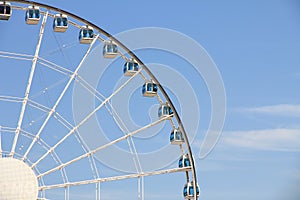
[102,147]
[17,56]
[34,61]
[84,120]
[105,102]
[58,100]
[115,178]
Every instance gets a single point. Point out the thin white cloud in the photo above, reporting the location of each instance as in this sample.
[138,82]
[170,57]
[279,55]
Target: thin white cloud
[297,75]
[292,110]
[268,139]
[294,174]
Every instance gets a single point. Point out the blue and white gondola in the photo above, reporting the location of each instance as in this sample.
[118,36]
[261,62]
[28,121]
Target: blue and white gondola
[149,89]
[86,35]
[33,15]
[60,23]
[5,10]
[110,50]
[130,68]
[176,137]
[165,111]
[184,161]
[189,192]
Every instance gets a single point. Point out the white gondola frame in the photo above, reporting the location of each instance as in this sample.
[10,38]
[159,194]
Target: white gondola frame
[165,111]
[130,68]
[36,15]
[184,161]
[63,20]
[110,49]
[86,35]
[5,15]
[176,137]
[188,190]
[149,91]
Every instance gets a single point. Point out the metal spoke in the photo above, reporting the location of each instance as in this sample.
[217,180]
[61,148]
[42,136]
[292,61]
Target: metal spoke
[84,120]
[54,66]
[103,147]
[43,115]
[115,178]
[59,99]
[38,106]
[34,61]
[16,56]
[11,99]
[130,142]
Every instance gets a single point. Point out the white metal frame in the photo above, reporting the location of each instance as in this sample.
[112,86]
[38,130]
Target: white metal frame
[143,72]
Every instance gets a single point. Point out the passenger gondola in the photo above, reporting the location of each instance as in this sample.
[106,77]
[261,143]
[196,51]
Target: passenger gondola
[184,161]
[5,10]
[110,50]
[165,111]
[32,15]
[60,23]
[189,192]
[86,35]
[149,89]
[176,137]
[130,68]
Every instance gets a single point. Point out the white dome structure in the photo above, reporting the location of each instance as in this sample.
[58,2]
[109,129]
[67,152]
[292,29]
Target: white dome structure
[17,180]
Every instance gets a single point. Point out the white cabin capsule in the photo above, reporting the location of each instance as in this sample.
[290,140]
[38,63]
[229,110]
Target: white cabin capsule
[32,15]
[165,111]
[149,89]
[86,35]
[110,50]
[188,190]
[5,10]
[176,137]
[130,68]
[184,161]
[60,23]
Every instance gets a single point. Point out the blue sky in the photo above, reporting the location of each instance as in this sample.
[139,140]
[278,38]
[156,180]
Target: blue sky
[255,45]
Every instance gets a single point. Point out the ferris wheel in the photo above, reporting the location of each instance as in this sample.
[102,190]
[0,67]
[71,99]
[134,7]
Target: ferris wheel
[47,154]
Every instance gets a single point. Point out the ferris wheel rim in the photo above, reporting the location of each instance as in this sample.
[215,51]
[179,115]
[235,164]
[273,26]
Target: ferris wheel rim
[132,54]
